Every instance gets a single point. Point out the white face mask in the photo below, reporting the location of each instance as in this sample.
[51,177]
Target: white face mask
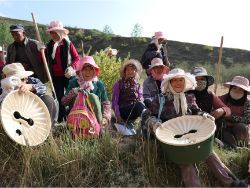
[236,96]
[201,85]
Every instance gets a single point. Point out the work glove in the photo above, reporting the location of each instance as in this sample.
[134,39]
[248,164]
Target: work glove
[69,72]
[206,115]
[40,46]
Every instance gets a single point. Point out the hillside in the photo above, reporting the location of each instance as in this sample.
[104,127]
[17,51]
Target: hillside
[179,52]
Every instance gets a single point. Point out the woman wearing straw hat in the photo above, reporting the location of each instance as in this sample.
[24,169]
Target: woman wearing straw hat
[86,79]
[15,73]
[127,99]
[62,59]
[206,100]
[236,131]
[178,103]
[152,84]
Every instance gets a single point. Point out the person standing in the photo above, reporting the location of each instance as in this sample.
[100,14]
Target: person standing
[27,52]
[156,48]
[62,59]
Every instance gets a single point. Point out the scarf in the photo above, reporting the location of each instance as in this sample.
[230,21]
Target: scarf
[62,36]
[86,85]
[180,101]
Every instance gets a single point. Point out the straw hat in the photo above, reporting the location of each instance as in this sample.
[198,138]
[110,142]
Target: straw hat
[240,82]
[200,71]
[16,69]
[56,26]
[190,82]
[156,62]
[87,60]
[134,62]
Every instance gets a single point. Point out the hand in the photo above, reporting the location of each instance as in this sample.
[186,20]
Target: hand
[206,115]
[40,46]
[155,126]
[76,90]
[104,122]
[217,113]
[24,88]
[69,72]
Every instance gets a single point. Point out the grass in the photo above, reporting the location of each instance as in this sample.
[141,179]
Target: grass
[108,161]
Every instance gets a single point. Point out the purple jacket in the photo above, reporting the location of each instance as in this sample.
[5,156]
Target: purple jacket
[116,97]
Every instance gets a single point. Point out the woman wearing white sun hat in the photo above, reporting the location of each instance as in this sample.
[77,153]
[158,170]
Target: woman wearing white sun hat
[178,103]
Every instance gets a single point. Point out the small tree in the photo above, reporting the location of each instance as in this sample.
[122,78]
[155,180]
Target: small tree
[5,34]
[137,30]
[107,29]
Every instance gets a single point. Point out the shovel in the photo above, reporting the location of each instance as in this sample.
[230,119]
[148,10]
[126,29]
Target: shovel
[46,68]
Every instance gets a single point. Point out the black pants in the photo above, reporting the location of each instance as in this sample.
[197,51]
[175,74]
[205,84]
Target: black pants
[60,84]
[132,111]
[49,102]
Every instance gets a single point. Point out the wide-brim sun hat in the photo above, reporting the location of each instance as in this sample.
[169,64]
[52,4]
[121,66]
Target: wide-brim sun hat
[16,69]
[240,82]
[200,71]
[159,35]
[56,26]
[190,82]
[87,60]
[133,62]
[157,62]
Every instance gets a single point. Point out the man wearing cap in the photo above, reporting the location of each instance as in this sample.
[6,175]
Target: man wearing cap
[152,84]
[156,48]
[26,51]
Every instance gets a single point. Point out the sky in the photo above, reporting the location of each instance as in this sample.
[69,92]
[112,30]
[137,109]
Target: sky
[193,21]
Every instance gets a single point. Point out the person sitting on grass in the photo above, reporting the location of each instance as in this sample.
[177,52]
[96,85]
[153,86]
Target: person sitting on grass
[127,99]
[16,77]
[236,127]
[208,101]
[152,84]
[178,103]
[87,72]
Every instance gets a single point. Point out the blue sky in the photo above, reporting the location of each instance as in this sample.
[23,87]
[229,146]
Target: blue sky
[195,21]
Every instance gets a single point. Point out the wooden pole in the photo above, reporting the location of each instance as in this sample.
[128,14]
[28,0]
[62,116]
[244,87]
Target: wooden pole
[218,66]
[43,57]
[3,55]
[82,49]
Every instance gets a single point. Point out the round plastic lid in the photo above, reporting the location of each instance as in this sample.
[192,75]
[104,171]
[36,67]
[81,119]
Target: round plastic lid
[185,130]
[25,118]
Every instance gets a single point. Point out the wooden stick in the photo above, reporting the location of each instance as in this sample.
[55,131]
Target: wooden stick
[3,55]
[82,49]
[44,58]
[218,66]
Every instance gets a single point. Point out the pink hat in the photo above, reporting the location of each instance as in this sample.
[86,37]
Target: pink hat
[156,62]
[239,81]
[87,60]
[159,35]
[56,26]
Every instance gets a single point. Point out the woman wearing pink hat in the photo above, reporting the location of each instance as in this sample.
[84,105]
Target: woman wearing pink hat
[62,59]
[152,84]
[236,127]
[157,48]
[86,79]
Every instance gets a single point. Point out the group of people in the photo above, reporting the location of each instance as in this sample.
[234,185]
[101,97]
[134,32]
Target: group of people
[184,93]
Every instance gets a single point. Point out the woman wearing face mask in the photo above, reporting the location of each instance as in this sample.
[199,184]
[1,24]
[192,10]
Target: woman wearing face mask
[236,131]
[206,100]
